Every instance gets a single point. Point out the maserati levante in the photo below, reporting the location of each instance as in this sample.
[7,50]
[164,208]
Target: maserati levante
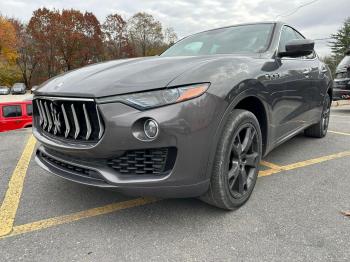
[192,122]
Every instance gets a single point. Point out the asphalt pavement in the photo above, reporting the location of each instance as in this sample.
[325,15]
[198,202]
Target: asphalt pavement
[294,213]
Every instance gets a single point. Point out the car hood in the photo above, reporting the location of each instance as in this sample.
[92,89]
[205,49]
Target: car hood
[122,76]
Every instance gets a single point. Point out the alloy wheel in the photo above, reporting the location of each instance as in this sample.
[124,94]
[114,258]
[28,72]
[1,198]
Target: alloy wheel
[243,161]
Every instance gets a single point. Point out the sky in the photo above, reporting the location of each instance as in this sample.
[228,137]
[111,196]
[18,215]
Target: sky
[317,20]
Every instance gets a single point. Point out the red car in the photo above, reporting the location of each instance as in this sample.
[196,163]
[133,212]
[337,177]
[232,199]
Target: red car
[15,115]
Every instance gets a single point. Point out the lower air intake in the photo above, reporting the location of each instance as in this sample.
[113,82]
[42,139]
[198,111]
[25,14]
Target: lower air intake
[145,162]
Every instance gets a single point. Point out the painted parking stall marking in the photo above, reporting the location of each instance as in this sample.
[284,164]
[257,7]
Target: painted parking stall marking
[12,197]
[11,201]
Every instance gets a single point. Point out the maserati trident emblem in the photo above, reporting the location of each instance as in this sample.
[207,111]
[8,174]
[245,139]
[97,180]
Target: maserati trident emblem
[56,120]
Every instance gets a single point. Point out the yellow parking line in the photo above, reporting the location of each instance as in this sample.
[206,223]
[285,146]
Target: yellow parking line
[55,221]
[9,206]
[13,194]
[270,165]
[339,133]
[304,163]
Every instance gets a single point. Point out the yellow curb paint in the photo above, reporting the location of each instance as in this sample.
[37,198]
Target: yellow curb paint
[339,133]
[55,221]
[270,165]
[9,206]
[304,163]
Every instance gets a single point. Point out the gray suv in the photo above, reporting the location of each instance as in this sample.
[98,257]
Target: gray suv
[192,122]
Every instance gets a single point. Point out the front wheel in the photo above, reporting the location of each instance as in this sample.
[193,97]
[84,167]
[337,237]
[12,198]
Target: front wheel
[320,129]
[236,163]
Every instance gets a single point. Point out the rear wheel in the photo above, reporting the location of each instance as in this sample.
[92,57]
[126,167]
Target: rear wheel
[236,163]
[320,129]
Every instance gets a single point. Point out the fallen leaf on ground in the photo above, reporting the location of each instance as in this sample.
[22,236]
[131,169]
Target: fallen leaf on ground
[345,213]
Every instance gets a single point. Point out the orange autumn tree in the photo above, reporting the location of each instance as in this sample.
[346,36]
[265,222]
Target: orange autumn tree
[9,73]
[7,41]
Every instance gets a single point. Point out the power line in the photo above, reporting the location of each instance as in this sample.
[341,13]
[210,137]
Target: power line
[295,10]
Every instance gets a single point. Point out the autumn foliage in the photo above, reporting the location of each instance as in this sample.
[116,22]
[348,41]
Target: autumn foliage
[56,41]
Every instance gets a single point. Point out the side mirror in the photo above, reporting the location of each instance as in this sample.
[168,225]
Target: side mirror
[298,47]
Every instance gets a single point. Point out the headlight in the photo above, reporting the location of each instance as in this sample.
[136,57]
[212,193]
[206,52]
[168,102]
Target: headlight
[146,100]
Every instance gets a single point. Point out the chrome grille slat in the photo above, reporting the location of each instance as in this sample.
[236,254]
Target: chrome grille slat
[70,119]
[76,123]
[88,125]
[44,114]
[100,133]
[40,113]
[66,122]
[48,114]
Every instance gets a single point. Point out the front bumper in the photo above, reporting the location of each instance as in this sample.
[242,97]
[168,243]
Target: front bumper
[189,127]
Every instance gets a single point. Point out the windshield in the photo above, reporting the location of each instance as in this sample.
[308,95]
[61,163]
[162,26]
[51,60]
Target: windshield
[253,38]
[344,63]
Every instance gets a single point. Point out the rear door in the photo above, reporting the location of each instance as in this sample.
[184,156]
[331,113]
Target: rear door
[12,117]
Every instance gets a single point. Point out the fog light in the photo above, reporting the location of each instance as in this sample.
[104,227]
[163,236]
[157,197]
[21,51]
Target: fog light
[151,128]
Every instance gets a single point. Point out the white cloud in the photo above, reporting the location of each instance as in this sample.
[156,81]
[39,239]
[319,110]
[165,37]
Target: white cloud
[317,20]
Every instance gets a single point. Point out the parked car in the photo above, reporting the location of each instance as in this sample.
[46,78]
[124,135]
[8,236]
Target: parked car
[32,90]
[194,121]
[15,115]
[342,79]
[18,88]
[4,90]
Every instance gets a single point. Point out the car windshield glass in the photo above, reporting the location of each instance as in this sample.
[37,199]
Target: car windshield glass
[344,63]
[253,38]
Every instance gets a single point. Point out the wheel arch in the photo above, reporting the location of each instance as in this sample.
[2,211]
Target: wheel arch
[241,101]
[254,105]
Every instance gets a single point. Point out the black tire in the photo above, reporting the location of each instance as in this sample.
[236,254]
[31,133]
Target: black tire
[320,129]
[227,189]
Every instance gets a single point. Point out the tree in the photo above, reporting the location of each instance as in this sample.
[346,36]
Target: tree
[93,37]
[9,73]
[42,28]
[116,37]
[145,33]
[7,41]
[28,56]
[80,40]
[170,37]
[341,40]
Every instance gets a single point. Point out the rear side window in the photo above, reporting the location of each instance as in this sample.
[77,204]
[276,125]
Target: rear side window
[29,110]
[11,111]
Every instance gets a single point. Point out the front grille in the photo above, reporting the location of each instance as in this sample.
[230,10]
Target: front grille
[68,119]
[71,168]
[144,162]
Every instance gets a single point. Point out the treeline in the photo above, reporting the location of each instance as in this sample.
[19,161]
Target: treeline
[55,41]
